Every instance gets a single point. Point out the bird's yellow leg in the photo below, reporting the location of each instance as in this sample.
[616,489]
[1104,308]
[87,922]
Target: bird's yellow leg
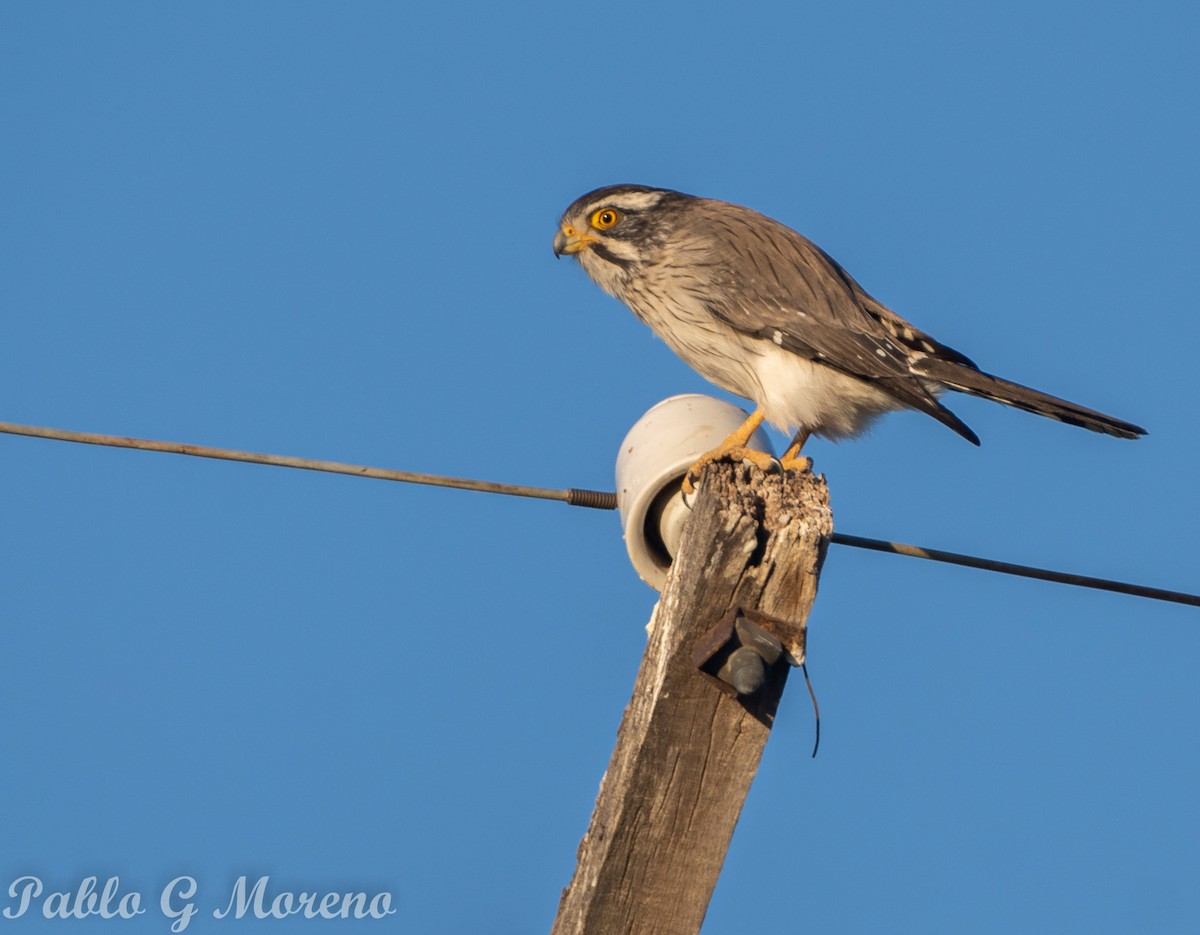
[734,447]
[791,460]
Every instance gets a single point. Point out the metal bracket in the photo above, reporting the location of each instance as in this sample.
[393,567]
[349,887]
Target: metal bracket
[736,653]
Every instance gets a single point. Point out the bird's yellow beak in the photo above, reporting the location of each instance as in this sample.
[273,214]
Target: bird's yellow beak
[570,241]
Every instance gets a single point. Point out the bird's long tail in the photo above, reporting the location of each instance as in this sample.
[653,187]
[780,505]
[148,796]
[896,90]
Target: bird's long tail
[977,383]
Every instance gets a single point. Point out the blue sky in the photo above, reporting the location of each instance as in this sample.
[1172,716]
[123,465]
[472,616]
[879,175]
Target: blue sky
[324,230]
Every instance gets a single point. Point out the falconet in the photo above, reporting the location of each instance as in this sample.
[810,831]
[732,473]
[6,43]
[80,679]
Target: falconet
[766,314]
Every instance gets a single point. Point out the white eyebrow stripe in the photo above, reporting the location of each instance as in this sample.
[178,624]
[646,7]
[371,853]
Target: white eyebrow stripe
[632,201]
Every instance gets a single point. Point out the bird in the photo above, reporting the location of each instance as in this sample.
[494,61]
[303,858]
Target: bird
[764,313]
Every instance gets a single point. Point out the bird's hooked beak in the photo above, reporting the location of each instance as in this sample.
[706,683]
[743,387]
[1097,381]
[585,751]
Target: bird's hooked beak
[570,241]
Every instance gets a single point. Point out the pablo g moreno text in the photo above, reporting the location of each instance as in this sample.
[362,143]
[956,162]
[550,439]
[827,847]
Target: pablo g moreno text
[175,902]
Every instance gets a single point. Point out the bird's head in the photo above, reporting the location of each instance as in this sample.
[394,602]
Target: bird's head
[617,228]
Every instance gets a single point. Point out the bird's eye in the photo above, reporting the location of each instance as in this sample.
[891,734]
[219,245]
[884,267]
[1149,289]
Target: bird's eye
[605,218]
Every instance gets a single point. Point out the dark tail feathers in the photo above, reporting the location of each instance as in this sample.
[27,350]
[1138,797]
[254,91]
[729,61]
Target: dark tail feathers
[977,383]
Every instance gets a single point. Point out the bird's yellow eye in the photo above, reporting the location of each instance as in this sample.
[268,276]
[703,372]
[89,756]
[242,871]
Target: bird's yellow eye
[605,218]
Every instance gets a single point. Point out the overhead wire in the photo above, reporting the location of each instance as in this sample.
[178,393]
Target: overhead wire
[573,496]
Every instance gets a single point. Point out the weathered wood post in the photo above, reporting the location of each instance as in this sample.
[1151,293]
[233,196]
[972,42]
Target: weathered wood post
[686,751]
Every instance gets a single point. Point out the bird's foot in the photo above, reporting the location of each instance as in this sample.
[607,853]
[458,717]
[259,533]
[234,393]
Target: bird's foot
[759,459]
[801,465]
[791,460]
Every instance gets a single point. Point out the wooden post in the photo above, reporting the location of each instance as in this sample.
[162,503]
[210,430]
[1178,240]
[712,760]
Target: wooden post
[686,752]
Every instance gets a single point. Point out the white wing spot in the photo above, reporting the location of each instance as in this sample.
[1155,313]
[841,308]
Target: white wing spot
[880,352]
[777,337]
